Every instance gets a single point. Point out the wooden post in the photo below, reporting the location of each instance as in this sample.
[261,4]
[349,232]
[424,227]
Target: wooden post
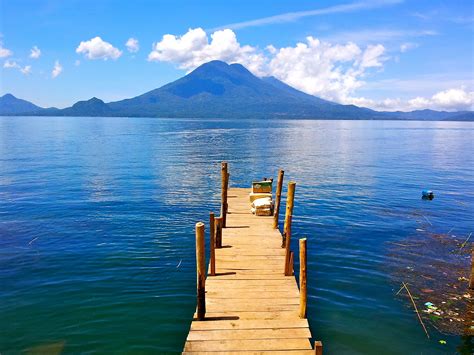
[224,221]
[218,232]
[291,264]
[289,209]
[303,290]
[276,212]
[318,348]
[471,279]
[224,184]
[212,243]
[288,272]
[200,271]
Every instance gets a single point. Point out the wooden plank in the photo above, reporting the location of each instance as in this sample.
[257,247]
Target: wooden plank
[277,352]
[249,291]
[280,333]
[249,344]
[251,294]
[232,275]
[278,315]
[251,307]
[231,302]
[249,324]
[248,283]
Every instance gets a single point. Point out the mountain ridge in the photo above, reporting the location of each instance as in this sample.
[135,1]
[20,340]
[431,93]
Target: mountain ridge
[10,104]
[220,90]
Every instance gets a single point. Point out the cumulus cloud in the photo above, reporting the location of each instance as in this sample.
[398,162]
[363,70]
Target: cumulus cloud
[450,100]
[456,99]
[26,70]
[4,52]
[57,69]
[11,64]
[194,48]
[373,56]
[326,70]
[35,52]
[96,48]
[132,45]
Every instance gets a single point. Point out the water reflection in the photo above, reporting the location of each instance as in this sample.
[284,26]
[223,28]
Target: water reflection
[113,201]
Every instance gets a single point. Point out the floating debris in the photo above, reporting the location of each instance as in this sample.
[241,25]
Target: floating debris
[436,267]
[416,309]
[464,244]
[427,194]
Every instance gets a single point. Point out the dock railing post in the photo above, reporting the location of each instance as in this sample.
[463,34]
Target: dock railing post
[291,265]
[224,187]
[318,348]
[288,272]
[303,289]
[218,231]
[471,279]
[290,197]
[200,271]
[212,243]
[276,212]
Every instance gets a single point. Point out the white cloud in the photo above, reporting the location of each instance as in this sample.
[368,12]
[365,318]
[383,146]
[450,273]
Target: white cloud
[56,70]
[454,99]
[132,45]
[96,48]
[294,16]
[9,64]
[457,99]
[373,56]
[271,48]
[35,52]
[330,71]
[194,48]
[26,70]
[4,52]
[405,47]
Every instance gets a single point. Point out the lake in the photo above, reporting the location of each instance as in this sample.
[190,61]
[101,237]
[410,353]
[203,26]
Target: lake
[97,224]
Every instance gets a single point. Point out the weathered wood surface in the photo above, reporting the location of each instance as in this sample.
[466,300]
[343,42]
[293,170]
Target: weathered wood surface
[251,307]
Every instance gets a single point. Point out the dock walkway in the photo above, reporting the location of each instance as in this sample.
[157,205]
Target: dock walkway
[251,306]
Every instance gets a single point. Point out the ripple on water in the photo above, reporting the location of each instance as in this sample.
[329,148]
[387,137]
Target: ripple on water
[97,217]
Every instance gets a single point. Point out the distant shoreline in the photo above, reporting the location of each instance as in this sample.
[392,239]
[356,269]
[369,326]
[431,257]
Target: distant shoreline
[244,118]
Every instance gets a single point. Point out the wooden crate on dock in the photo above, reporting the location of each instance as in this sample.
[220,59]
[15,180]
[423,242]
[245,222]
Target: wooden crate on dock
[262,186]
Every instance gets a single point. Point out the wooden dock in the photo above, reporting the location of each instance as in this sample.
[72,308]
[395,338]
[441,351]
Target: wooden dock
[250,305]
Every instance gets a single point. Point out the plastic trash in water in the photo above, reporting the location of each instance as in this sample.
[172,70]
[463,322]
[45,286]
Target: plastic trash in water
[427,195]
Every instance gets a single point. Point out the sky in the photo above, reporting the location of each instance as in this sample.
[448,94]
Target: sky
[383,54]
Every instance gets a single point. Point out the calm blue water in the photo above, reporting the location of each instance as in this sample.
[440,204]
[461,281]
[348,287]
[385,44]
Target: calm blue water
[97,216]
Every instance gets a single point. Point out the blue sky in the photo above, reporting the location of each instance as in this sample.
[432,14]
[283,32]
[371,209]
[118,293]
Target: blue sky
[386,55]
